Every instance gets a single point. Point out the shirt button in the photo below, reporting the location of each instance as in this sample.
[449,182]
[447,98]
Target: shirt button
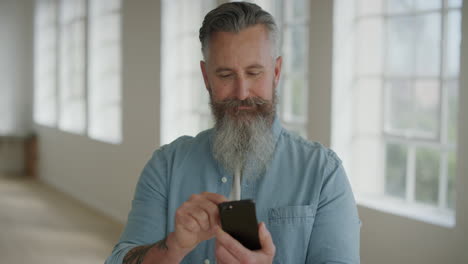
[224,180]
[207,261]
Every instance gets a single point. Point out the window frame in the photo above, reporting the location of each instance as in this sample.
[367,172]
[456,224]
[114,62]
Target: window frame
[59,28]
[425,212]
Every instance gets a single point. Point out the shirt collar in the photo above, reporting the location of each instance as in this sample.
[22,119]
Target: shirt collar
[276,127]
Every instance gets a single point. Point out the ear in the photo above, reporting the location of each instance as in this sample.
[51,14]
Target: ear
[278,63]
[205,75]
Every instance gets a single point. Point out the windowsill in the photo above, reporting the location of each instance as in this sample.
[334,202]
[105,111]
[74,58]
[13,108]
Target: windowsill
[416,211]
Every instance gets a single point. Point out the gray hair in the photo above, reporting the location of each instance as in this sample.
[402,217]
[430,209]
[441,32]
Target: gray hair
[234,17]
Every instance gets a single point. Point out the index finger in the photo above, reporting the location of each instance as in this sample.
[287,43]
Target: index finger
[214,197]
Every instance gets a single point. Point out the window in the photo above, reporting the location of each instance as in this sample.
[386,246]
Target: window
[401,65]
[185,109]
[292,18]
[104,79]
[77,72]
[45,52]
[72,87]
[184,99]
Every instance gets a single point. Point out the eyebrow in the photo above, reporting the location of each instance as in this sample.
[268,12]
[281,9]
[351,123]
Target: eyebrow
[223,69]
[250,67]
[255,66]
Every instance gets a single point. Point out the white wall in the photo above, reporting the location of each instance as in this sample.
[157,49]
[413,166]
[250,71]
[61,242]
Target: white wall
[16,47]
[104,175]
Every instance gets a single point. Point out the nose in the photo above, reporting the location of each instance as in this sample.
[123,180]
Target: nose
[241,88]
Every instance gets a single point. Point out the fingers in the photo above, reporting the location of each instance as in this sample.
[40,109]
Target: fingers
[265,240]
[223,255]
[201,217]
[186,220]
[232,245]
[214,197]
[197,218]
[208,207]
[229,250]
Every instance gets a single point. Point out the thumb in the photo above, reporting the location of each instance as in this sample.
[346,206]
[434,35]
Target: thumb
[265,240]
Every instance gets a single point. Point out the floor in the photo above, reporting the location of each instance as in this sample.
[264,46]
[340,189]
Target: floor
[41,225]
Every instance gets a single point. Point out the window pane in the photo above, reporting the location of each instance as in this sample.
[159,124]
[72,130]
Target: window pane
[296,10]
[404,57]
[400,46]
[294,100]
[453,44]
[72,68]
[426,108]
[413,111]
[295,48]
[422,5]
[455,3]
[369,7]
[367,100]
[369,46]
[104,6]
[399,105]
[452,125]
[452,173]
[399,6]
[395,171]
[427,35]
[45,55]
[427,175]
[184,98]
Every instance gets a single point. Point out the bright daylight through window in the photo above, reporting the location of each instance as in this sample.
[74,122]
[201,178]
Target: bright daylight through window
[77,67]
[396,70]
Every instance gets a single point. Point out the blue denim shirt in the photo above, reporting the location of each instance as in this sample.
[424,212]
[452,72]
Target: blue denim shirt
[304,198]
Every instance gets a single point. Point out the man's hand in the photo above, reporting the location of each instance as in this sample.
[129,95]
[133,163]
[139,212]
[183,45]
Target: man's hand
[196,219]
[229,250]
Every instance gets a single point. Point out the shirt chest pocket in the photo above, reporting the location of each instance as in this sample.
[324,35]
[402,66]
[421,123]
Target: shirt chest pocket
[290,228]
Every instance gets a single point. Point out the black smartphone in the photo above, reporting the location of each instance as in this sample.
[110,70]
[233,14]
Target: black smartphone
[238,218]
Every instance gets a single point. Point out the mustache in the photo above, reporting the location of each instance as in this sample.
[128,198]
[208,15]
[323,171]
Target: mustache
[235,103]
[230,107]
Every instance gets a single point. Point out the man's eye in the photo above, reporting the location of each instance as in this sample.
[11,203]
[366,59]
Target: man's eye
[253,73]
[225,75]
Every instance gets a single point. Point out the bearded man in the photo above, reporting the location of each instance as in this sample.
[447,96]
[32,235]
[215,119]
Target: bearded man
[303,199]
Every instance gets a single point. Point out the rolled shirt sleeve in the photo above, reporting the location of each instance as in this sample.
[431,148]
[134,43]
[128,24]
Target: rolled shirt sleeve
[146,222]
[336,230]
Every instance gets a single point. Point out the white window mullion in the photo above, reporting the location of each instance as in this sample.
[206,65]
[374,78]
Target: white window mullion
[58,62]
[411,174]
[86,68]
[443,180]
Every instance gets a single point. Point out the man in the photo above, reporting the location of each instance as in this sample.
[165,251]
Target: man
[303,199]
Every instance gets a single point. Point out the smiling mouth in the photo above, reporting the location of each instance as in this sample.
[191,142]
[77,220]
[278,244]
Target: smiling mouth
[243,107]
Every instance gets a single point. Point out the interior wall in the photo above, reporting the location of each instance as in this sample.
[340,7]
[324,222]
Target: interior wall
[16,49]
[100,174]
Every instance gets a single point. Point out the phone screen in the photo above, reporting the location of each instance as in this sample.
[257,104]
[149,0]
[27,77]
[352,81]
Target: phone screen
[238,218]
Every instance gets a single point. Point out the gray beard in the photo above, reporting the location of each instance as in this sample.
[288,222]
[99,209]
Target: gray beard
[244,146]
